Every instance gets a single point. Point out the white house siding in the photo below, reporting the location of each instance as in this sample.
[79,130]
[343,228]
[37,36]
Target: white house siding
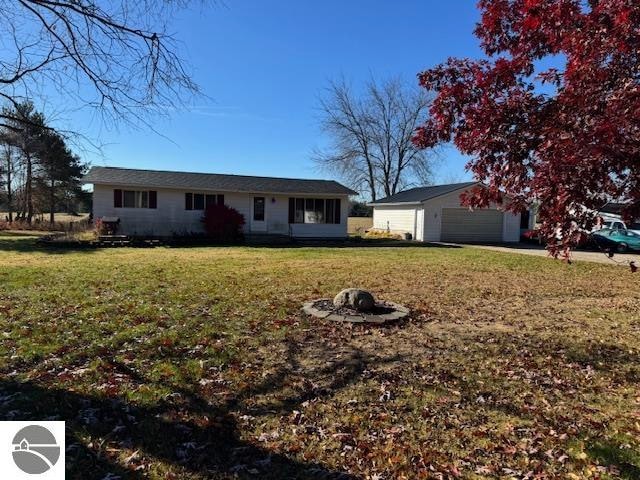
[433,218]
[170,216]
[397,218]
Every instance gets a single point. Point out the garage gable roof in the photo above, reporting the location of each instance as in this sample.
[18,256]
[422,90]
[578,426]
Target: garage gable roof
[422,194]
[212,181]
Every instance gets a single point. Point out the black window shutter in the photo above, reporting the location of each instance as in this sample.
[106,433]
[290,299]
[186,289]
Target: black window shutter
[292,210]
[220,199]
[337,210]
[117,198]
[188,201]
[153,199]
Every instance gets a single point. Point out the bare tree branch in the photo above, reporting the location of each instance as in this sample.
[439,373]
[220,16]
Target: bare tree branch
[371,147]
[117,57]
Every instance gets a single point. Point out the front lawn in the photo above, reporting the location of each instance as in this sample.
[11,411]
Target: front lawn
[192,363]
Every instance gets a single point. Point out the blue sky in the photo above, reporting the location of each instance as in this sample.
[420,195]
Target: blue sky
[264,64]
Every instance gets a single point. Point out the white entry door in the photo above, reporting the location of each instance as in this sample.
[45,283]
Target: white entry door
[259,214]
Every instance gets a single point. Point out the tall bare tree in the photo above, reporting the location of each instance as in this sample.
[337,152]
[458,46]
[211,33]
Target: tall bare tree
[23,131]
[37,164]
[7,171]
[370,134]
[116,56]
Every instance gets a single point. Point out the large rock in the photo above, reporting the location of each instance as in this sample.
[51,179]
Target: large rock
[355,298]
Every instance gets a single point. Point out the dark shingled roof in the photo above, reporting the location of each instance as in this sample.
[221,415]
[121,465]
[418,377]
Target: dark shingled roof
[420,194]
[211,181]
[613,207]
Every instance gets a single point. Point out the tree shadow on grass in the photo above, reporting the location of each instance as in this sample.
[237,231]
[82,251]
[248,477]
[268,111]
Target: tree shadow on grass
[97,429]
[342,244]
[321,378]
[618,362]
[22,244]
[556,396]
[627,461]
[195,435]
[19,242]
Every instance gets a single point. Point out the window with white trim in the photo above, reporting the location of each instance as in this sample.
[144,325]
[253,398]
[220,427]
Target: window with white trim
[135,198]
[314,210]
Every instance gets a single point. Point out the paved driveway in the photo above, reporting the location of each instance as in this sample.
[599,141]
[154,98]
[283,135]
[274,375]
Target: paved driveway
[621,259]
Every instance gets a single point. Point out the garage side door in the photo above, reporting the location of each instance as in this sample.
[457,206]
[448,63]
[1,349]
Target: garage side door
[462,225]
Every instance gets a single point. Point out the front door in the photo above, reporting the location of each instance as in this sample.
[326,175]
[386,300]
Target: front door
[259,215]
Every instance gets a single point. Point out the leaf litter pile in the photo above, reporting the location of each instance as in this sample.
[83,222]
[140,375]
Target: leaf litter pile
[195,363]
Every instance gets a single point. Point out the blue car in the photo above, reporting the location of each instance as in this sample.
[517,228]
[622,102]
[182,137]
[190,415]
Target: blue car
[616,240]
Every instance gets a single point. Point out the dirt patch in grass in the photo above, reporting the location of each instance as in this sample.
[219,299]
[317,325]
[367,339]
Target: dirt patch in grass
[195,363]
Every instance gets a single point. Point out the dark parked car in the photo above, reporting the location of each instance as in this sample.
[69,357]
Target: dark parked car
[616,240]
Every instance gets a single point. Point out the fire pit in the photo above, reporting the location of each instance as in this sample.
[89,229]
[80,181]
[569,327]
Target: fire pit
[357,306]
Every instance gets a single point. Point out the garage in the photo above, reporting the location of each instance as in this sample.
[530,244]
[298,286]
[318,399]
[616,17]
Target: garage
[465,226]
[435,214]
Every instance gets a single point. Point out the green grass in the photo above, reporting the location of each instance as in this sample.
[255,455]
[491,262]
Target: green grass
[195,363]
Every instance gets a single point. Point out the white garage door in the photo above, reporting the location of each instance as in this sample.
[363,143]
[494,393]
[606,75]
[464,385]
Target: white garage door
[462,225]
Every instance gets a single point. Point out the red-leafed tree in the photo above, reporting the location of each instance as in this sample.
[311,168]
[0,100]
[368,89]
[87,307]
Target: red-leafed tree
[223,223]
[568,138]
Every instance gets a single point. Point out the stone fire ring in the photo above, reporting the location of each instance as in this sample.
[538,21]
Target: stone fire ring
[399,312]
